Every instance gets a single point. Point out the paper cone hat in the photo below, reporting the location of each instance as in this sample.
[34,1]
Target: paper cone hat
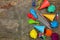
[40,28]
[44,5]
[49,16]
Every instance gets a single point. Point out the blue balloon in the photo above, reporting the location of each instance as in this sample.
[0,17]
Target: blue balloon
[54,24]
[33,12]
[40,28]
[33,4]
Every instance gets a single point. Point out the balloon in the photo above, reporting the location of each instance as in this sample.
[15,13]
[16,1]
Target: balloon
[29,15]
[54,24]
[33,34]
[33,4]
[33,21]
[40,35]
[51,8]
[44,37]
[48,32]
[55,36]
[33,12]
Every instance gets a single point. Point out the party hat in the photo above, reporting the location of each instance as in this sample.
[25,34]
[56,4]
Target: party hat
[44,5]
[40,28]
[49,16]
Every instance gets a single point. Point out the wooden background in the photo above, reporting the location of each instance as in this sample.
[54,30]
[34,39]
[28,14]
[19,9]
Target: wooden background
[13,21]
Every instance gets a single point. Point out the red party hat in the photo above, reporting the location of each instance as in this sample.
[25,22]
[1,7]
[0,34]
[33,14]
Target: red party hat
[44,5]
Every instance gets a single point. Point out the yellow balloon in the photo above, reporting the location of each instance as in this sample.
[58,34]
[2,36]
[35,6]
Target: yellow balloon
[38,3]
[33,33]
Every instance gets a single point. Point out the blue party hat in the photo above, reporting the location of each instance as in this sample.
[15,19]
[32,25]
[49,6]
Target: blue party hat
[40,28]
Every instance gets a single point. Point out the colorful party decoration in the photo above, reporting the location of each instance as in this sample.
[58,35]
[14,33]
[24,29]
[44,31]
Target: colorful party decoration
[44,37]
[33,3]
[48,19]
[44,5]
[54,24]
[29,15]
[55,36]
[33,12]
[48,32]
[57,16]
[51,8]
[30,21]
[38,2]
[49,16]
[39,35]
[33,34]
[40,28]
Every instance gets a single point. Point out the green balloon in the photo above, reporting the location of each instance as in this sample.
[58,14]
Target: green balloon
[44,37]
[51,8]
[30,21]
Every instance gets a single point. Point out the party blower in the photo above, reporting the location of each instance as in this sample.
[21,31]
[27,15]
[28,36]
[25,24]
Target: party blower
[43,20]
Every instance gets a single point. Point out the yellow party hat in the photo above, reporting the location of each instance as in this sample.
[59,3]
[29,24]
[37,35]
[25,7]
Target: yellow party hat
[49,16]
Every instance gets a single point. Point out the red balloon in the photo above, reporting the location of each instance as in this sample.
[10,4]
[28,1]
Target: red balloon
[29,15]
